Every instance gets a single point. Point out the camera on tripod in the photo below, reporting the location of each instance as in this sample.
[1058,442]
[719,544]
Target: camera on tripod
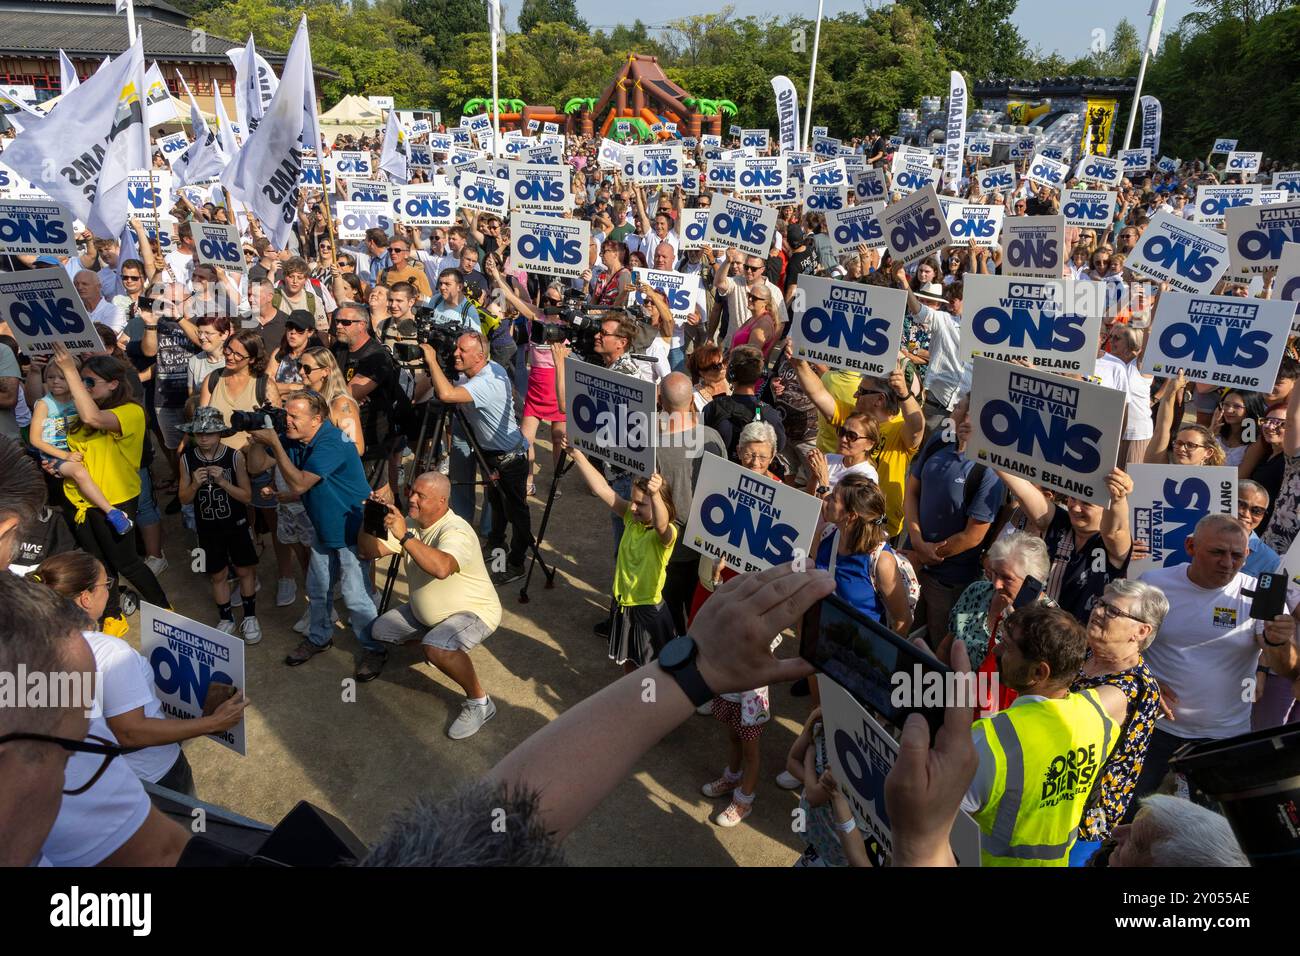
[432,329]
[268,416]
[578,324]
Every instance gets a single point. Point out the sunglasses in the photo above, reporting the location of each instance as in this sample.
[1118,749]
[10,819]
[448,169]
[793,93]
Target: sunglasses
[1255,511]
[89,382]
[753,268]
[715,367]
[851,435]
[308,369]
[343,322]
[127,278]
[868,391]
[1273,422]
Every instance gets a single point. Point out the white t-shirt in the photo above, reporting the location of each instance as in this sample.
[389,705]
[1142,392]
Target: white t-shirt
[835,467]
[1205,653]
[1125,377]
[127,685]
[109,314]
[181,266]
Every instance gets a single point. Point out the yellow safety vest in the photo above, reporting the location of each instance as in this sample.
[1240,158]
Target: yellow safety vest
[1047,757]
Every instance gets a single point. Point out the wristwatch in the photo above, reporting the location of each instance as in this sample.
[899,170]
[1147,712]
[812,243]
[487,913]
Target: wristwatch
[678,659]
[407,537]
[823,491]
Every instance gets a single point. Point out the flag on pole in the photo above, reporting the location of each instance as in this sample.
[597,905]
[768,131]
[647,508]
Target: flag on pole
[204,159]
[393,157]
[494,24]
[787,113]
[955,140]
[255,85]
[83,151]
[1152,116]
[159,107]
[310,138]
[1157,14]
[266,171]
[68,79]
[225,132]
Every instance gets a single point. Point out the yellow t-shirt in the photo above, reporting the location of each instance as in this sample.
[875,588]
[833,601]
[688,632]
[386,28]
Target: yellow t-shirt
[642,563]
[843,387]
[469,589]
[113,461]
[891,458]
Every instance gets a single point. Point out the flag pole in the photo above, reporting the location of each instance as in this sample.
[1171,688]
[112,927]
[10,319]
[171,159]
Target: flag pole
[1157,14]
[812,77]
[494,16]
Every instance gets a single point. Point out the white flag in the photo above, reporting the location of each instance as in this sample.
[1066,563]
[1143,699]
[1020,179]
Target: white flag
[204,159]
[82,152]
[68,78]
[225,130]
[494,24]
[159,107]
[255,85]
[393,157]
[787,113]
[266,172]
[955,140]
[310,120]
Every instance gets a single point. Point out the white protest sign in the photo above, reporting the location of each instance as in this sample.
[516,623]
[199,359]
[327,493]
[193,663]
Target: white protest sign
[173,145]
[861,753]
[826,147]
[721,175]
[186,657]
[909,155]
[420,128]
[821,131]
[551,153]
[1222,340]
[147,190]
[1046,428]
[915,176]
[708,140]
[747,519]
[684,293]
[1047,321]
[974,223]
[1256,235]
[42,307]
[1134,160]
[369,190]
[483,193]
[692,227]
[539,187]
[756,175]
[848,325]
[997,178]
[1213,202]
[736,224]
[352,163]
[1033,246]
[1047,172]
[1286,286]
[1288,181]
[756,138]
[1224,146]
[869,186]
[1167,164]
[1058,153]
[441,142]
[352,219]
[36,227]
[218,245]
[826,200]
[915,227]
[1088,208]
[855,227]
[381,102]
[426,205]
[1165,504]
[826,174]
[1246,164]
[549,246]
[1023,148]
[1190,258]
[979,144]
[163,234]
[610,155]
[658,165]
[611,416]
[1100,169]
[690,182]
[550,128]
[419,157]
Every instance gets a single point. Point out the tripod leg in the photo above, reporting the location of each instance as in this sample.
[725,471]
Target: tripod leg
[562,466]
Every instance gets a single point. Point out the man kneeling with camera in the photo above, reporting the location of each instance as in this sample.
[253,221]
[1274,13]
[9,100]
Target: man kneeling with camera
[452,599]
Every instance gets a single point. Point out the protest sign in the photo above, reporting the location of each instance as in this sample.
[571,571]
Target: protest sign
[1047,322]
[869,186]
[483,193]
[163,233]
[352,163]
[1061,154]
[1134,160]
[691,229]
[441,142]
[1100,169]
[1224,146]
[1033,246]
[173,146]
[756,138]
[148,190]
[974,223]
[1046,428]
[734,130]
[1165,504]
[426,205]
[352,219]
[736,224]
[1167,164]
[1088,208]
[914,176]
[369,190]
[1222,340]
[826,200]
[36,227]
[217,244]
[848,325]
[550,246]
[1047,172]
[721,175]
[1243,163]
[539,187]
[1213,202]
[684,293]
[826,147]
[42,307]
[757,175]
[861,754]
[690,143]
[821,131]
[708,140]
[915,227]
[658,165]
[186,658]
[550,127]
[855,227]
[1256,235]
[748,520]
[1286,285]
[826,174]
[610,155]
[612,416]
[690,182]
[1190,258]
[980,145]
[1289,182]
[550,153]
[1023,148]
[419,156]
[997,178]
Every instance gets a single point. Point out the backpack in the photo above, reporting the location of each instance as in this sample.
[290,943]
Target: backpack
[907,573]
[259,384]
[727,409]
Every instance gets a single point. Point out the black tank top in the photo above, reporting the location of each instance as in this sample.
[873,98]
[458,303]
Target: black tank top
[213,508]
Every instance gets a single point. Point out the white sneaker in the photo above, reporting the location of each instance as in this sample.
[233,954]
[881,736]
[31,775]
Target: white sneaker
[250,630]
[286,592]
[705,709]
[788,781]
[227,627]
[472,717]
[157,565]
[303,624]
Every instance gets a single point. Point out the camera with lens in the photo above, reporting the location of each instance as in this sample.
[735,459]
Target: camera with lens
[577,325]
[432,329]
[268,416]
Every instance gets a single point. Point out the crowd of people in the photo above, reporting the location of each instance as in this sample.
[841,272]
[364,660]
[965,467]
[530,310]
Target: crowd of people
[297,404]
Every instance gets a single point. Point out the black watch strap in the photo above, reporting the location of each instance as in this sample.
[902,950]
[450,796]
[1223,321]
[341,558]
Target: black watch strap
[691,681]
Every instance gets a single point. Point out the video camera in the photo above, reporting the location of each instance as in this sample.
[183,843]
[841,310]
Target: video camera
[432,329]
[579,323]
[268,416]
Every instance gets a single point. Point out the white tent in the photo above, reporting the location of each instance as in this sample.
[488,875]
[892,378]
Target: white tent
[352,111]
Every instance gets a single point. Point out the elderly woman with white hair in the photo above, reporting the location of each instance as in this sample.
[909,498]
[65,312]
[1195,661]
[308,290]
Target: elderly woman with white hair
[1171,831]
[1124,622]
[986,603]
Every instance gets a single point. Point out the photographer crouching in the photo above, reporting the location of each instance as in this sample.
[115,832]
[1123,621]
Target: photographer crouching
[485,391]
[452,600]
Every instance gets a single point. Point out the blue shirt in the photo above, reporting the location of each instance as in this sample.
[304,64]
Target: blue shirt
[1262,559]
[492,415]
[853,581]
[335,503]
[943,473]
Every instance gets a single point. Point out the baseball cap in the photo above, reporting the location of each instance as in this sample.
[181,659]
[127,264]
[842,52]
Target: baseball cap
[300,319]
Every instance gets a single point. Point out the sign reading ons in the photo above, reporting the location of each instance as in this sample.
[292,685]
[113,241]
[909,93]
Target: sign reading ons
[1190,258]
[1033,246]
[850,326]
[36,227]
[548,245]
[218,245]
[1222,340]
[1046,321]
[736,224]
[42,307]
[1165,504]
[915,228]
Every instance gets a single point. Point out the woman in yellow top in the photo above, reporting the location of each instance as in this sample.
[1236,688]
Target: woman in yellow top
[110,438]
[640,622]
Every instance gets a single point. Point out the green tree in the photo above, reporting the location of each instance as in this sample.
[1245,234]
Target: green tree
[533,12]
[1123,56]
[977,35]
[444,22]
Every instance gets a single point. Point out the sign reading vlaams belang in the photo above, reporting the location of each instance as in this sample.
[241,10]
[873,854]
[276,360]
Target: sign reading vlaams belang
[746,519]
[914,227]
[915,176]
[539,187]
[851,229]
[352,219]
[757,138]
[979,144]
[1134,160]
[1213,202]
[690,182]
[426,205]
[1289,182]
[612,416]
[721,175]
[550,246]
[974,223]
[684,293]
[186,658]
[826,147]
[658,165]
[421,157]
[1046,321]
[1046,428]
[826,174]
[854,327]
[756,175]
[736,224]
[1257,235]
[484,193]
[42,307]
[997,178]
[350,164]
[218,245]
[1033,246]
[826,200]
[1165,504]
[870,186]
[1088,208]
[36,227]
[1243,163]
[1190,258]
[1222,340]
[1047,172]
[148,190]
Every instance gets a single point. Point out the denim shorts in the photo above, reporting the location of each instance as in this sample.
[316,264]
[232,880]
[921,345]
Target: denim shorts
[462,631]
[147,509]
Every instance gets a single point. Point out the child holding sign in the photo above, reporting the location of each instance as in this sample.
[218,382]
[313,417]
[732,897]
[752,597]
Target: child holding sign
[53,418]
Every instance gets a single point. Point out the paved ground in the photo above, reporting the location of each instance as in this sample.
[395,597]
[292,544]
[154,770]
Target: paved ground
[364,759]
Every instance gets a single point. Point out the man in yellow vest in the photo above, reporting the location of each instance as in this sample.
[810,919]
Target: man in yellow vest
[1040,759]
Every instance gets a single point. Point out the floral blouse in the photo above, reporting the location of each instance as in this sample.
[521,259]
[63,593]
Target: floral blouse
[969,620]
[1111,797]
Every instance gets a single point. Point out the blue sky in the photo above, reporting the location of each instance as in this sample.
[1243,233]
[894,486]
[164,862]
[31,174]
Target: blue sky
[1050,24]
